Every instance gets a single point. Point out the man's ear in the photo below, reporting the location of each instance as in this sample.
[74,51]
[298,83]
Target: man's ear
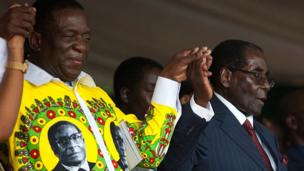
[35,41]
[291,122]
[124,92]
[225,77]
[185,98]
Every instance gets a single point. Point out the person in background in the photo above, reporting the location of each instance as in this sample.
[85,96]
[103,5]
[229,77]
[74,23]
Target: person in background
[291,109]
[134,83]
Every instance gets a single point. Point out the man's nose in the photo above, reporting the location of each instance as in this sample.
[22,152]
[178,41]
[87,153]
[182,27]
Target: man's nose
[72,143]
[268,83]
[81,44]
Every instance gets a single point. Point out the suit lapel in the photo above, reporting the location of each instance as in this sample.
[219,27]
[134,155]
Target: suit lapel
[235,131]
[266,139]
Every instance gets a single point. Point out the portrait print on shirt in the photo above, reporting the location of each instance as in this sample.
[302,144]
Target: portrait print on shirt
[119,145]
[56,135]
[68,145]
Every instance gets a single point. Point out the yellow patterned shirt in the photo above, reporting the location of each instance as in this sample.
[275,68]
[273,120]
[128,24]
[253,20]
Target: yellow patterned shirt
[47,104]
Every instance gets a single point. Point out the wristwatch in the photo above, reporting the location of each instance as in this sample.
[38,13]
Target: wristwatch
[17,65]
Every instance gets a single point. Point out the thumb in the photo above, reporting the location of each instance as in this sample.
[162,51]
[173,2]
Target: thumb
[15,5]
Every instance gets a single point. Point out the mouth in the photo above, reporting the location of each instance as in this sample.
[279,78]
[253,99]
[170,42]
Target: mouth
[74,155]
[262,99]
[76,61]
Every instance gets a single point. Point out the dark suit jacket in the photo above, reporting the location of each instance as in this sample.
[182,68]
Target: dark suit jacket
[221,144]
[59,167]
[184,141]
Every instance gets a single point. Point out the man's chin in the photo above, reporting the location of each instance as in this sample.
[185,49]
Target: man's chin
[73,163]
[256,112]
[74,160]
[71,77]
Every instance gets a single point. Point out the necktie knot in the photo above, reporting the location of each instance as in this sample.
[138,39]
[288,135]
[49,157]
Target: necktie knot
[248,127]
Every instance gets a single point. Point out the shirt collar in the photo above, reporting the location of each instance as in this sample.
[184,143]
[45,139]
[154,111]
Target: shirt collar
[237,114]
[84,165]
[39,77]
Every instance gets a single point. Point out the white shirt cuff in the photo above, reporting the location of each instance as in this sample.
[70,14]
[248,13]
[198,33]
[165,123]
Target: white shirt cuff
[3,56]
[205,113]
[166,92]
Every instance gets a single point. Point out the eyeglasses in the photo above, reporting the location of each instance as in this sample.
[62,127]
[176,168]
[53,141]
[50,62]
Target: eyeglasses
[64,141]
[260,78]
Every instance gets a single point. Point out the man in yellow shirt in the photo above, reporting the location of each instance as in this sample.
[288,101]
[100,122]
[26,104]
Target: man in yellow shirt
[56,90]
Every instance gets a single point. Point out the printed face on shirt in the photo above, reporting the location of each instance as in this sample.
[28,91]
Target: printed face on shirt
[65,46]
[68,144]
[119,144]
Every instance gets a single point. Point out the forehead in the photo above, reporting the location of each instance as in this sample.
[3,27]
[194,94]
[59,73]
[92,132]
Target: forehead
[66,130]
[150,74]
[255,59]
[70,19]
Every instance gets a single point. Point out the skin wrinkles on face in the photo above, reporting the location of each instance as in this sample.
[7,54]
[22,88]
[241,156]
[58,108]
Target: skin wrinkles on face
[140,95]
[66,46]
[73,153]
[244,92]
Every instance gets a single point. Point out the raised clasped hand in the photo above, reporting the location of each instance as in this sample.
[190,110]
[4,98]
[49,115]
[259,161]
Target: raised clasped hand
[198,73]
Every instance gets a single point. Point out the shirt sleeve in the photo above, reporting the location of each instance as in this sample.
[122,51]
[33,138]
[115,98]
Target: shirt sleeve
[205,113]
[166,92]
[3,56]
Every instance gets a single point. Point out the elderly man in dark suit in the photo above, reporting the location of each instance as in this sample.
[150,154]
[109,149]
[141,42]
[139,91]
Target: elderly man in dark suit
[232,140]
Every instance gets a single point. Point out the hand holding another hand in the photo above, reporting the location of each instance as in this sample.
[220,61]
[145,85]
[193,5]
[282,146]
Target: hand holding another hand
[15,25]
[177,67]
[199,74]
[192,64]
[17,20]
